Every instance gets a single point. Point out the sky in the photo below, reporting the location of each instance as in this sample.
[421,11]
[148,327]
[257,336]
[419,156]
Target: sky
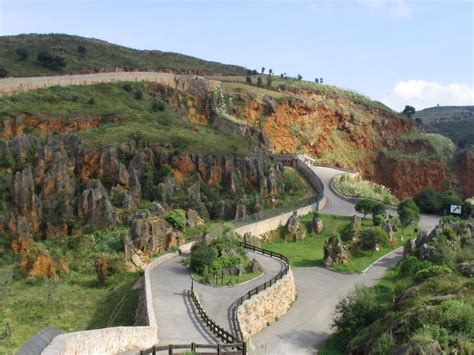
[400,52]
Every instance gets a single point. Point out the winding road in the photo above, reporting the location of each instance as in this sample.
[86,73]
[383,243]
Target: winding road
[302,330]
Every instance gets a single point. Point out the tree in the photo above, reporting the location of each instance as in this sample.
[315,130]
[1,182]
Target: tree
[249,80]
[263,70]
[316,81]
[157,105]
[22,54]
[429,200]
[3,72]
[299,77]
[47,60]
[364,206]
[409,111]
[408,212]
[270,72]
[138,94]
[320,80]
[259,81]
[82,51]
[378,208]
[269,81]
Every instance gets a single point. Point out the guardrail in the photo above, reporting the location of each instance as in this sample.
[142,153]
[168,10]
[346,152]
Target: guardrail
[261,287]
[220,349]
[217,330]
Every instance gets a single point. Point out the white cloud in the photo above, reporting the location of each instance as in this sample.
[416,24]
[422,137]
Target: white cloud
[395,8]
[421,94]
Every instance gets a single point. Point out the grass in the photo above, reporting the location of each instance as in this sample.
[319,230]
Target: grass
[73,303]
[356,186]
[126,315]
[124,117]
[309,251]
[320,89]
[100,54]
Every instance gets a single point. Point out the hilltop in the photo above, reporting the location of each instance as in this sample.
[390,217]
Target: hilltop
[455,122]
[100,56]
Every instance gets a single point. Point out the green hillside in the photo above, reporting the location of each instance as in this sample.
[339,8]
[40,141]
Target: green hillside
[456,122]
[100,55]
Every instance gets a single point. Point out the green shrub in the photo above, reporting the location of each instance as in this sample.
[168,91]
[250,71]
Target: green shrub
[157,105]
[442,253]
[456,316]
[138,94]
[408,212]
[434,270]
[371,237]
[356,186]
[91,101]
[201,257]
[3,72]
[434,332]
[433,201]
[385,344]
[357,310]
[411,265]
[378,219]
[177,218]
[127,87]
[364,206]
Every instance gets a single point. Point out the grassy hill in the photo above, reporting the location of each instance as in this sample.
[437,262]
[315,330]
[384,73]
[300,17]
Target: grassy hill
[100,55]
[456,122]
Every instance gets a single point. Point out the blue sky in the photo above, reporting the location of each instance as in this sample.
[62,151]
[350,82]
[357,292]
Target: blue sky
[398,51]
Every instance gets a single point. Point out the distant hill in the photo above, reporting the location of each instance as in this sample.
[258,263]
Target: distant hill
[456,122]
[100,56]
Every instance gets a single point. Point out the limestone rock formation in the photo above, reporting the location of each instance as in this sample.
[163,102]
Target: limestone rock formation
[94,206]
[317,225]
[335,252]
[356,222]
[193,218]
[255,266]
[294,229]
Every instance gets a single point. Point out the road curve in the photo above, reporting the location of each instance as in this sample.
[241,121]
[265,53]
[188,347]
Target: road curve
[304,329]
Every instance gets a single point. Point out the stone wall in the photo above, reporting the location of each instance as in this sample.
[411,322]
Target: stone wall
[116,339]
[264,308]
[189,83]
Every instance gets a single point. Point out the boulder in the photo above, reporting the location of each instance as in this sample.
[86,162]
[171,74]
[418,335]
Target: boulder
[294,230]
[237,270]
[409,248]
[335,252]
[356,222]
[240,212]
[148,233]
[194,193]
[389,229]
[251,239]
[255,266]
[317,225]
[193,218]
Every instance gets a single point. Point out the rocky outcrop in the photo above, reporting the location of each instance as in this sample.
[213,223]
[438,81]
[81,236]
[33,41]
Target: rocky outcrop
[94,206]
[317,225]
[335,252]
[294,229]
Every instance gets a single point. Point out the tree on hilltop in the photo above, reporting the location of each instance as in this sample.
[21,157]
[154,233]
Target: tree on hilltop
[263,70]
[299,77]
[22,54]
[409,111]
[248,79]
[270,72]
[47,60]
[259,81]
[82,50]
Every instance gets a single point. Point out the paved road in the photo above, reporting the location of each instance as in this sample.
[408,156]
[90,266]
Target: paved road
[177,320]
[306,326]
[218,301]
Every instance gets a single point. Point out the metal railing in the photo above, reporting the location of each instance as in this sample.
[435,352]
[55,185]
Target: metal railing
[220,349]
[217,330]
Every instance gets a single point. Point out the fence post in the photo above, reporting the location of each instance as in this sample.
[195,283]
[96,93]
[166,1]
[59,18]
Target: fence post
[193,347]
[170,349]
[244,348]
[153,350]
[218,349]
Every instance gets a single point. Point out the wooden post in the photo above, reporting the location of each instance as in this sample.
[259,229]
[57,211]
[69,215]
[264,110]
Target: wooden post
[193,347]
[170,349]
[244,348]
[153,350]
[218,349]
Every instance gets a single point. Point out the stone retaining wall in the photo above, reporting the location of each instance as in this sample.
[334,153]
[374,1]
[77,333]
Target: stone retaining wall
[116,339]
[264,308]
[188,83]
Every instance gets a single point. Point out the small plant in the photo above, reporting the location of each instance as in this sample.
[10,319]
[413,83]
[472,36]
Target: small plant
[91,101]
[82,50]
[3,72]
[177,218]
[127,87]
[157,105]
[22,54]
[138,94]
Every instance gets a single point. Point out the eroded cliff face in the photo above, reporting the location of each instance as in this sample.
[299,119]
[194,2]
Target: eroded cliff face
[58,186]
[344,133]
[466,172]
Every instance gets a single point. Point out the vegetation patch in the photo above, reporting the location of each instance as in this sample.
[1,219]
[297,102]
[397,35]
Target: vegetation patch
[356,187]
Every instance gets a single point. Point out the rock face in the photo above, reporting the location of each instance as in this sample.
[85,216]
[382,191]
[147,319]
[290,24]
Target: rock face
[294,230]
[94,205]
[193,218]
[251,239]
[255,266]
[356,222]
[317,225]
[148,233]
[335,252]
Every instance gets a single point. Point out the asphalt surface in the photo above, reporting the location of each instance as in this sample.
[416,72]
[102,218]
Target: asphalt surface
[304,329]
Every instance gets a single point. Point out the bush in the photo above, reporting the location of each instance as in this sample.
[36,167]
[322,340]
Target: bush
[364,206]
[138,94]
[127,87]
[91,101]
[408,212]
[435,332]
[356,186]
[157,105]
[3,72]
[434,270]
[356,311]
[411,265]
[47,60]
[378,219]
[371,237]
[432,201]
[22,54]
[379,209]
[456,316]
[442,253]
[82,50]
[177,218]
[201,257]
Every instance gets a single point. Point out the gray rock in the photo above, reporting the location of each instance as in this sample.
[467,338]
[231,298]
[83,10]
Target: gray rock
[255,266]
[317,225]
[356,222]
[193,218]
